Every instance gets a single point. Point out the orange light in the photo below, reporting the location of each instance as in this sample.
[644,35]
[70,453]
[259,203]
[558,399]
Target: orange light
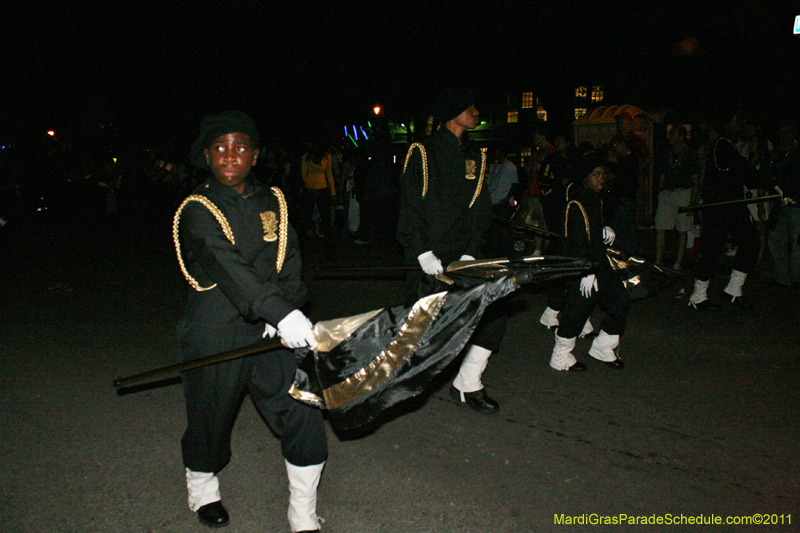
[377,110]
[51,133]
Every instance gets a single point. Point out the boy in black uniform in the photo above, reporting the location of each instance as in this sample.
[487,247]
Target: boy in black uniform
[727,175]
[445,213]
[240,255]
[586,237]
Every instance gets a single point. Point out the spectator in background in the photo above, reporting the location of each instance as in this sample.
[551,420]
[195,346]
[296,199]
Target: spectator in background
[678,172]
[501,180]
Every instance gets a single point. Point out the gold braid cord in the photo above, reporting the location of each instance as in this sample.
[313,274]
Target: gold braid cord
[226,229]
[585,219]
[284,227]
[424,165]
[480,179]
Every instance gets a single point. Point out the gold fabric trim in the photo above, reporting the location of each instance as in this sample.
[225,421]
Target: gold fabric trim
[330,333]
[283,228]
[585,219]
[306,397]
[226,229]
[379,369]
[424,165]
[480,180]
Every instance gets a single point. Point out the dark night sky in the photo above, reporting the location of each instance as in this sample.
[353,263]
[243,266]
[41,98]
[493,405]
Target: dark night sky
[70,63]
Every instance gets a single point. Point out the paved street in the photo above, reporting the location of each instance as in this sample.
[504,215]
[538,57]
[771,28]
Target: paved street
[703,420]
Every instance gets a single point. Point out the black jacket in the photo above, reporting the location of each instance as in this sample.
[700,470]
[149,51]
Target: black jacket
[443,220]
[249,289]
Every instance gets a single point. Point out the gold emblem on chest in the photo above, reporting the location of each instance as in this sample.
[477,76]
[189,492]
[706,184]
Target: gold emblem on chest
[471,167]
[270,223]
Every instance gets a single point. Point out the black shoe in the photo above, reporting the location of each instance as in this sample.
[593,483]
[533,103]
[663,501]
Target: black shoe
[477,401]
[577,367]
[705,305]
[740,302]
[213,515]
[616,364]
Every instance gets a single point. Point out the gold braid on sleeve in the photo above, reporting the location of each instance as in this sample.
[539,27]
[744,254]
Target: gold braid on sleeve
[283,232]
[226,229]
[424,165]
[585,219]
[480,179]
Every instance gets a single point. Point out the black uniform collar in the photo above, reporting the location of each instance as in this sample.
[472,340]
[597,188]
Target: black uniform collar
[224,191]
[447,138]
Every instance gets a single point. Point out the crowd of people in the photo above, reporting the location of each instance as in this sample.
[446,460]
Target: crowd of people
[733,163]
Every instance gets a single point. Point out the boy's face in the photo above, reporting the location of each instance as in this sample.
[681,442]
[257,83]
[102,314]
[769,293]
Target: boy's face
[596,179]
[230,157]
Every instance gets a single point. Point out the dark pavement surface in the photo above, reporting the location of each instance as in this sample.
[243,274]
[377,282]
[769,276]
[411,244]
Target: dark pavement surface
[703,420]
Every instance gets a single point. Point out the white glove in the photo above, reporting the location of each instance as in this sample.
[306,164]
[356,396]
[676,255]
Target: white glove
[430,263]
[608,235]
[466,257]
[295,330]
[588,284]
[269,331]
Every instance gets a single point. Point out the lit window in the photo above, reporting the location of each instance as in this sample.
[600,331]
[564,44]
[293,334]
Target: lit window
[579,112]
[541,113]
[513,116]
[580,92]
[527,100]
[526,152]
[597,93]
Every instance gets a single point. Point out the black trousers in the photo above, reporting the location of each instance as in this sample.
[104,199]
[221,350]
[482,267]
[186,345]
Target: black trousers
[611,296]
[718,223]
[214,395]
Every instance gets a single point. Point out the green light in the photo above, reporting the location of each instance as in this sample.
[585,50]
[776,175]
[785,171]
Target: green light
[369,124]
[352,140]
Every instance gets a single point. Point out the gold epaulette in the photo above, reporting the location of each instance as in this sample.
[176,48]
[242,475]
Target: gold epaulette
[424,156]
[480,179]
[585,219]
[283,232]
[226,229]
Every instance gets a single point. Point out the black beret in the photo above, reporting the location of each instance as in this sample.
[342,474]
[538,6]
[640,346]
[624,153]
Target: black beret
[452,102]
[212,126]
[587,164]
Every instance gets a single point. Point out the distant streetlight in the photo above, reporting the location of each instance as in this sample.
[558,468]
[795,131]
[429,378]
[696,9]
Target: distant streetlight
[377,110]
[51,133]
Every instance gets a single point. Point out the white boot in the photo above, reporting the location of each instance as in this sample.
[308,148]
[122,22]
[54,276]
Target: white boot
[604,349]
[562,358]
[549,318]
[734,288]
[699,294]
[303,482]
[587,328]
[469,376]
[203,489]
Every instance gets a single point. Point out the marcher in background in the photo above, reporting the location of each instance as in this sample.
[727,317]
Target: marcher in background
[784,239]
[624,170]
[240,256]
[585,237]
[444,217]
[678,172]
[553,179]
[727,176]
